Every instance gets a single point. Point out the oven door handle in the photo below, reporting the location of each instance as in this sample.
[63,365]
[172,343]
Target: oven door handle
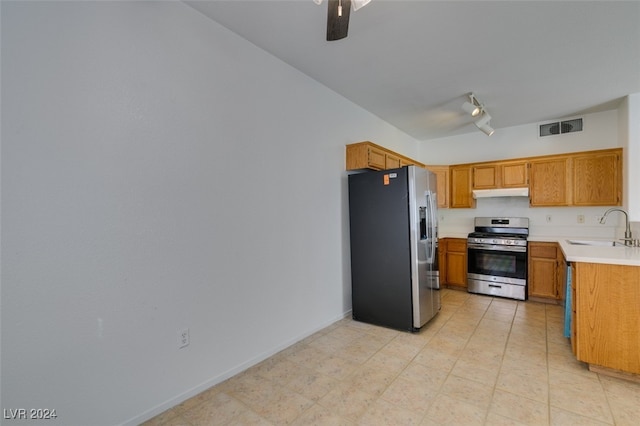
[517,249]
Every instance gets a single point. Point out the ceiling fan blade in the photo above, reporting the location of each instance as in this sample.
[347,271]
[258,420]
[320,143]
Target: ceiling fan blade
[338,26]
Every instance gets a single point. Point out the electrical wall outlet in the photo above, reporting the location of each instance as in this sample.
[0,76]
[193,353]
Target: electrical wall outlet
[580,218]
[183,338]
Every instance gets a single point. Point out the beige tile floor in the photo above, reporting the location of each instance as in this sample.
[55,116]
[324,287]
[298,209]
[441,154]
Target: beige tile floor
[480,361]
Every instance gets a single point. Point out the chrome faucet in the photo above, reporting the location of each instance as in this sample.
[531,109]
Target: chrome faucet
[628,241]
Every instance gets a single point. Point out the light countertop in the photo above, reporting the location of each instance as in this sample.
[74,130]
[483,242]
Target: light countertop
[614,255]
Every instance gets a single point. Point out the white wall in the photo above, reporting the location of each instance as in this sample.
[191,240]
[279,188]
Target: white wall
[629,125]
[159,172]
[563,220]
[600,132]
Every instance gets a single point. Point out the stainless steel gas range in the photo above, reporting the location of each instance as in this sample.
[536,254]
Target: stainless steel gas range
[497,257]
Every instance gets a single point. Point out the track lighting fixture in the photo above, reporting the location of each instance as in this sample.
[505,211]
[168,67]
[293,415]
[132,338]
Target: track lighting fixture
[472,106]
[476,109]
[483,123]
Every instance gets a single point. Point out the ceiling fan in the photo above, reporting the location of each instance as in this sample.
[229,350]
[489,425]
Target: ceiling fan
[338,16]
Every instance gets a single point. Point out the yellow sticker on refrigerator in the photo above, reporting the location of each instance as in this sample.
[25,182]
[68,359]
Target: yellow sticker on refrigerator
[386,177]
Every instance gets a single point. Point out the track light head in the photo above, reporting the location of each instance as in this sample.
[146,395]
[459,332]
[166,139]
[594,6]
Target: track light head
[484,119]
[483,124]
[472,106]
[487,130]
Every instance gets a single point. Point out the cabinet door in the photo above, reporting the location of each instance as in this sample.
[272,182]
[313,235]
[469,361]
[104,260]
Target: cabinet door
[391,161]
[442,259]
[460,182]
[377,159]
[549,180]
[442,177]
[607,324]
[514,175]
[597,180]
[543,270]
[485,176]
[456,262]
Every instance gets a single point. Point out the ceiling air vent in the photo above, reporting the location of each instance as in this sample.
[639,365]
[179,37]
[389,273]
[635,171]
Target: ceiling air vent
[561,127]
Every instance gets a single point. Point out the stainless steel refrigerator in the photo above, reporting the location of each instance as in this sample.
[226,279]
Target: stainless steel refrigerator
[393,228]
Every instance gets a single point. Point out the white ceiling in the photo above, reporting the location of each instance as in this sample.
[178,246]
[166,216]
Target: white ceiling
[412,63]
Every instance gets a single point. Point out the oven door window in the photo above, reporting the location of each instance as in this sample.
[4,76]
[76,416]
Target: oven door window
[498,263]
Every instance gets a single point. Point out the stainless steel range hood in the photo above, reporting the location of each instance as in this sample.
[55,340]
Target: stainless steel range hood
[501,192]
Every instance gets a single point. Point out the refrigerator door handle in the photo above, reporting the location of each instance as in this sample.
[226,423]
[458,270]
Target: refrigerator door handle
[431,241]
[434,229]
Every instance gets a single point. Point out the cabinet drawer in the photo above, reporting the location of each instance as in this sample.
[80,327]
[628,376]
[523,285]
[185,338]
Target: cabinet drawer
[544,251]
[457,245]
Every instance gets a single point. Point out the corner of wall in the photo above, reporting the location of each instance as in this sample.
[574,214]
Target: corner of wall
[629,122]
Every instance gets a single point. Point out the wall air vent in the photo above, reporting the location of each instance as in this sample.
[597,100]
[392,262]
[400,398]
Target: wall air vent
[561,127]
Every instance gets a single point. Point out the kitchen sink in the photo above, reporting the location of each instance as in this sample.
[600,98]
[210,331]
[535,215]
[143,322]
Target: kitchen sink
[602,243]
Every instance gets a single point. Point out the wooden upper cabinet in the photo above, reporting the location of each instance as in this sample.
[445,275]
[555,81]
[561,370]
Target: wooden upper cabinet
[406,162]
[442,177]
[597,179]
[376,158]
[486,176]
[548,184]
[591,178]
[504,174]
[460,185]
[391,161]
[367,155]
[515,174]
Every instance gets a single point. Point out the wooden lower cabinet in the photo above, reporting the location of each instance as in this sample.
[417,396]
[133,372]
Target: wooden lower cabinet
[607,323]
[442,260]
[455,263]
[546,274]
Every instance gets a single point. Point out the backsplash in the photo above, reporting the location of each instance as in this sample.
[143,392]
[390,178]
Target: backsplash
[553,222]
